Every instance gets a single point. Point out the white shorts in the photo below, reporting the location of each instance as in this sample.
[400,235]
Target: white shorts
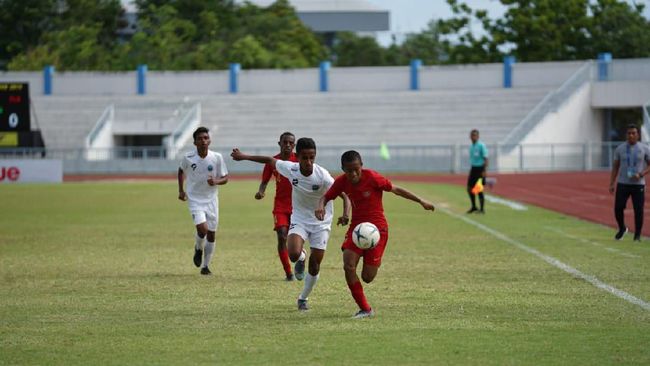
[316,235]
[205,212]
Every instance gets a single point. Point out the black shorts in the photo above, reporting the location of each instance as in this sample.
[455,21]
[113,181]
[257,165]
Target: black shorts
[475,174]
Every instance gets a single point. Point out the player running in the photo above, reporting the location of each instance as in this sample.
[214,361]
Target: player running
[282,201]
[365,189]
[204,171]
[310,181]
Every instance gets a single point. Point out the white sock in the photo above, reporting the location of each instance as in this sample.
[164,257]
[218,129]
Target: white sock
[198,242]
[207,253]
[302,255]
[310,282]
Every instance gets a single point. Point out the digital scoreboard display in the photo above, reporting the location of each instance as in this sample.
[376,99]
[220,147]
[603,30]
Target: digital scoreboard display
[14,107]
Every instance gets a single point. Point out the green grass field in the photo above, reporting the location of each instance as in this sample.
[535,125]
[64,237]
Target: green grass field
[102,273]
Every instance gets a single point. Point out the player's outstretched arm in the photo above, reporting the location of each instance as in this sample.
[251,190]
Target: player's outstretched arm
[261,191]
[239,156]
[403,192]
[347,206]
[181,192]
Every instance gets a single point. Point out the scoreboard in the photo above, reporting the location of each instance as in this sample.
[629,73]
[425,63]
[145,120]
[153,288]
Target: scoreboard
[14,107]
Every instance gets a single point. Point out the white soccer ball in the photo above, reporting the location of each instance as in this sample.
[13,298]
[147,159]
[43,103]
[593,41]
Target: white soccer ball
[365,235]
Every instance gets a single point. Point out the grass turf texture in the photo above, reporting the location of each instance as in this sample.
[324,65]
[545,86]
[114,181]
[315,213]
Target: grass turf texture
[102,273]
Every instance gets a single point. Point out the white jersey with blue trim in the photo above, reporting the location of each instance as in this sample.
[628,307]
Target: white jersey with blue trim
[197,170]
[306,192]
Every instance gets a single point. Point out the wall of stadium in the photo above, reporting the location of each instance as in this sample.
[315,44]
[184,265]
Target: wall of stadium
[341,79]
[575,121]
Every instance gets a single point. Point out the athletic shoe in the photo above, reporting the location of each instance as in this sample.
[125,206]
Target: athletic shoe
[302,305]
[637,237]
[481,211]
[364,314]
[472,210]
[205,271]
[619,234]
[290,277]
[198,257]
[299,268]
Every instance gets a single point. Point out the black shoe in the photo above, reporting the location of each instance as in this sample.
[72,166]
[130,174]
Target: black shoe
[637,237]
[481,211]
[290,277]
[205,271]
[198,257]
[302,305]
[620,233]
[471,210]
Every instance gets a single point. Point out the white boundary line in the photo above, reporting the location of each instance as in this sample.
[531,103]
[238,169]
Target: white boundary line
[508,203]
[586,241]
[555,262]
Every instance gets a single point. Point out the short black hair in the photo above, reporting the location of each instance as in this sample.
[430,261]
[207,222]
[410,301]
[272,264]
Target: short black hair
[286,134]
[200,130]
[474,130]
[350,156]
[632,125]
[305,143]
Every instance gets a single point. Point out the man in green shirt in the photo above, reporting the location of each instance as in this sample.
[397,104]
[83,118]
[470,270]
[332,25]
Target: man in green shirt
[478,158]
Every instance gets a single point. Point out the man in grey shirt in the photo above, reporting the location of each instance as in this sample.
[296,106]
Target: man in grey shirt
[631,164]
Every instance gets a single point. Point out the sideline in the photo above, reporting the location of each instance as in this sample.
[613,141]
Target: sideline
[586,241]
[502,201]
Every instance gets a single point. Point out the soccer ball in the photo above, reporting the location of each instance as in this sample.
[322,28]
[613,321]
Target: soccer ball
[365,235]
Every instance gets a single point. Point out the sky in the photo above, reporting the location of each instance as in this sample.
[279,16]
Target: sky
[410,16]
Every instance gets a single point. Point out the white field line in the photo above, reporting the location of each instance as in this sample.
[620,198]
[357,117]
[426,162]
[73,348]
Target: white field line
[502,201]
[594,243]
[554,262]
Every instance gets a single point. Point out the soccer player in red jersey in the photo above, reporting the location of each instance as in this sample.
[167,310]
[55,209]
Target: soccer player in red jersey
[282,202]
[365,189]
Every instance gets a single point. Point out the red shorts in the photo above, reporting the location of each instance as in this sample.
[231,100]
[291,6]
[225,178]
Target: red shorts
[370,256]
[281,219]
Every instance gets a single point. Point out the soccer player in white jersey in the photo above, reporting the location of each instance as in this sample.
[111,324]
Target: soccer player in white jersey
[204,170]
[309,182]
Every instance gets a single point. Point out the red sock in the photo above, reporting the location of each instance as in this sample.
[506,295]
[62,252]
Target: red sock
[357,292]
[284,258]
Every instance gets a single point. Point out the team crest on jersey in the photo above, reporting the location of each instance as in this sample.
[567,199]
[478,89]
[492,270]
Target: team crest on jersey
[315,187]
[210,168]
[294,181]
[366,194]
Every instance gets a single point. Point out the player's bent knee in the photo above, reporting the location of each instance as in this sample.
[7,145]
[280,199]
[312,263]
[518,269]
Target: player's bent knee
[367,278]
[294,256]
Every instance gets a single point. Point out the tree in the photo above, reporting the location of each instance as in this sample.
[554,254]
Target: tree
[22,23]
[619,28]
[75,48]
[426,46]
[250,53]
[545,30]
[163,41]
[352,50]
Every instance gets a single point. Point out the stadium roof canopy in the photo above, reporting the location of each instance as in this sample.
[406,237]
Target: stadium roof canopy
[338,15]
